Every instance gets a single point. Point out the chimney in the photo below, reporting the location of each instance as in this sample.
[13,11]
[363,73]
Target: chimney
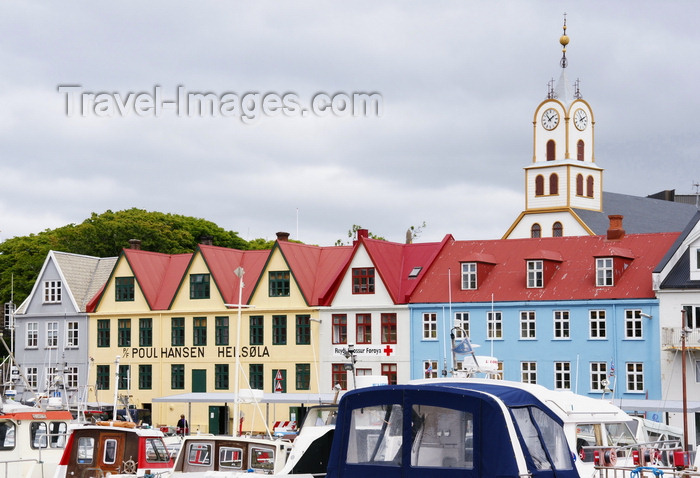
[362,233]
[282,236]
[207,240]
[135,244]
[615,232]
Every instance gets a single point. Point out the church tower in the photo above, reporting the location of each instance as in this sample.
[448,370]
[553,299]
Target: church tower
[563,175]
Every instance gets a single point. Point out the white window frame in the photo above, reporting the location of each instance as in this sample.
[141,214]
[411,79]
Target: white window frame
[597,325]
[528,325]
[430,326]
[494,325]
[561,324]
[50,372]
[697,371]
[32,335]
[70,375]
[528,372]
[598,373]
[633,324]
[461,321]
[535,274]
[426,365]
[604,272]
[32,376]
[634,377]
[72,333]
[562,375]
[469,276]
[52,335]
[692,315]
[695,263]
[52,291]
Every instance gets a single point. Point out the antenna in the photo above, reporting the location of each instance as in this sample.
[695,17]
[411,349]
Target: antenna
[697,195]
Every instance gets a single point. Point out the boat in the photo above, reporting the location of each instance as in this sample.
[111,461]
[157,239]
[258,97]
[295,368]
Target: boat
[114,447]
[32,439]
[227,456]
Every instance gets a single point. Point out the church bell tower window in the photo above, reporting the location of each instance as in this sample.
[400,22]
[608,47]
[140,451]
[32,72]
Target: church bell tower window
[579,150]
[551,150]
[553,184]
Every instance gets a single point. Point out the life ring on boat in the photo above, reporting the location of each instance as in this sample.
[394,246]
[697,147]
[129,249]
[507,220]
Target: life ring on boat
[117,423]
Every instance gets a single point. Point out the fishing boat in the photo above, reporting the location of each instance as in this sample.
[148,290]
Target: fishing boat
[32,440]
[116,448]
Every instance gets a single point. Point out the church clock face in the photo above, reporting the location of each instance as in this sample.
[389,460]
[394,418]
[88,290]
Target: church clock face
[550,119]
[580,119]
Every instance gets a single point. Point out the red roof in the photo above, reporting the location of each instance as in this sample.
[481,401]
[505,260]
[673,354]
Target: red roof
[573,279]
[158,275]
[222,262]
[314,268]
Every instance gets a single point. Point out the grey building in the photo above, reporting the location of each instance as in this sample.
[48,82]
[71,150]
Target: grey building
[51,328]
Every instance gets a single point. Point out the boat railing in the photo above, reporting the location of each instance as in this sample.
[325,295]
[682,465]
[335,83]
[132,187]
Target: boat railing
[655,459]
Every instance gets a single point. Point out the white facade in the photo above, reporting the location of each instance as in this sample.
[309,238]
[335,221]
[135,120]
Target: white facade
[678,292]
[373,353]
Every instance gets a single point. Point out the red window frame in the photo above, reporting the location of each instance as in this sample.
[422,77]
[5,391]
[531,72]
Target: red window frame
[389,328]
[389,371]
[339,375]
[340,329]
[363,328]
[363,280]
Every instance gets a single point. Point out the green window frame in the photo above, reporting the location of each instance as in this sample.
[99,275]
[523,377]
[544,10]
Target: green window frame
[221,330]
[199,286]
[145,377]
[303,376]
[221,376]
[124,289]
[103,377]
[145,332]
[199,331]
[257,330]
[124,378]
[177,331]
[124,333]
[255,375]
[177,376]
[279,283]
[303,329]
[279,330]
[103,326]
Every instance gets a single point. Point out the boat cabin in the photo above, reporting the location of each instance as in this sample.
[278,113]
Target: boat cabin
[450,428]
[113,447]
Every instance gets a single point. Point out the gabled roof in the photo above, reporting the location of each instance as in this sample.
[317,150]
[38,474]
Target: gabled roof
[223,261]
[394,263]
[642,215]
[574,278]
[679,275]
[314,268]
[158,275]
[82,276]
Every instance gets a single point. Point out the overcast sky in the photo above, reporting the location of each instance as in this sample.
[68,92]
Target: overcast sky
[459,83]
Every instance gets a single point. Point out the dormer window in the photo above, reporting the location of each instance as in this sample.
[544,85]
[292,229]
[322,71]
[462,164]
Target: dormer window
[535,274]
[469,276]
[604,271]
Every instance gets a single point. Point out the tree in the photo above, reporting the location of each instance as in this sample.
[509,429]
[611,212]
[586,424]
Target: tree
[104,235]
[352,234]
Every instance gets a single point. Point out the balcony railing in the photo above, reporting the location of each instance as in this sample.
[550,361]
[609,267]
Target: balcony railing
[671,338]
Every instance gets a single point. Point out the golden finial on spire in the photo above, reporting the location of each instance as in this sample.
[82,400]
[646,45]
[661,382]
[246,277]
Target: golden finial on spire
[564,40]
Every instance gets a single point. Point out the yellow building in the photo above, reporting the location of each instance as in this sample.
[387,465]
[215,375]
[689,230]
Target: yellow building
[172,321]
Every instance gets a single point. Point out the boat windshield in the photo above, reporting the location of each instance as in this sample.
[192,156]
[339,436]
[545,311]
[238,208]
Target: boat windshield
[320,416]
[544,438]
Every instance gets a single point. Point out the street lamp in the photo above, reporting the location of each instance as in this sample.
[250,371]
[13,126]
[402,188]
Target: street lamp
[349,353]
